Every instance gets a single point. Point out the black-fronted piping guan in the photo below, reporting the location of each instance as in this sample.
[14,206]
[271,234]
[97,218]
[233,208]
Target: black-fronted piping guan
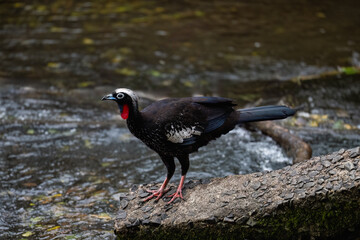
[176,127]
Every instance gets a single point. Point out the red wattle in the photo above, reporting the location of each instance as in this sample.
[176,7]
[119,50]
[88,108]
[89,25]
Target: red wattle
[125,112]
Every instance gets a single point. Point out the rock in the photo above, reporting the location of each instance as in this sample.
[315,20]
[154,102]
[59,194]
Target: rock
[240,196]
[255,185]
[257,194]
[146,209]
[288,196]
[313,173]
[341,151]
[229,220]
[319,167]
[251,222]
[326,163]
[329,186]
[134,188]
[353,153]
[269,205]
[131,197]
[337,158]
[309,184]
[205,181]
[320,181]
[124,203]
[230,192]
[122,196]
[155,221]
[349,166]
[121,214]
[318,188]
[144,194]
[211,219]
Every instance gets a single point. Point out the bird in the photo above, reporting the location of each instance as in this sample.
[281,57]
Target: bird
[177,127]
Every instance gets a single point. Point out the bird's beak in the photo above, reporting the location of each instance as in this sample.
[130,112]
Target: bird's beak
[108,97]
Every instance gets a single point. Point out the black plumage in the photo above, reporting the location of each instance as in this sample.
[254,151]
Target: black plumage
[176,127]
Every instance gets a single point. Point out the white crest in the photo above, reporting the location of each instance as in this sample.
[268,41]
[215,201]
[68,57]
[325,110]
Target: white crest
[129,92]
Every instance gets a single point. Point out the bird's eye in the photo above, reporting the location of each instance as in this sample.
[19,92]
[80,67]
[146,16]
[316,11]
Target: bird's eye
[120,96]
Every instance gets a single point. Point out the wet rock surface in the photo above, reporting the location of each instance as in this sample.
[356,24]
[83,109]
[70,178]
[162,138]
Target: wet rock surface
[318,198]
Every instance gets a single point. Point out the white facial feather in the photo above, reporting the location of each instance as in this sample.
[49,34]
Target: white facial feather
[129,92]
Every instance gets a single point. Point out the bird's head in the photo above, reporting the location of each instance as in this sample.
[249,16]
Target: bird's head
[126,100]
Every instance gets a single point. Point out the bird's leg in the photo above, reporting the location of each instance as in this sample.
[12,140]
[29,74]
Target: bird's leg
[184,161]
[170,165]
[178,192]
[158,193]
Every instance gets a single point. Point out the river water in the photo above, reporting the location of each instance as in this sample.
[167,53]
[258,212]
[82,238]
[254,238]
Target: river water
[65,156]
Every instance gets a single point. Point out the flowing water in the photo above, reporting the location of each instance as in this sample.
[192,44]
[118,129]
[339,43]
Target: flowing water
[65,156]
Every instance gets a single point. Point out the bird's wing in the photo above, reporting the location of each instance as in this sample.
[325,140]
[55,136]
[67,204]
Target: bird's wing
[198,116]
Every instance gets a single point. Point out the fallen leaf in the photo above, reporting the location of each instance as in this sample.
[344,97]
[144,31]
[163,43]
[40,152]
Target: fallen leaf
[53,65]
[36,219]
[126,71]
[30,131]
[29,184]
[53,228]
[88,41]
[320,15]
[27,234]
[101,216]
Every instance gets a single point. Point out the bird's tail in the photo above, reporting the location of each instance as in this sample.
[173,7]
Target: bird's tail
[265,113]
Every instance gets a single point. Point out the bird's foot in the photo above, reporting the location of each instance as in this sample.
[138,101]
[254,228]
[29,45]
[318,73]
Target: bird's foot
[177,194]
[156,193]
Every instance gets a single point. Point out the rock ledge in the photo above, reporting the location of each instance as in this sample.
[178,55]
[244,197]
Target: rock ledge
[318,198]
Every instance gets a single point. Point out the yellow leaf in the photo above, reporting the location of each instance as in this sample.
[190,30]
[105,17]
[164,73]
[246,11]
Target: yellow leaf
[324,117]
[88,143]
[57,195]
[313,124]
[159,9]
[106,164]
[30,131]
[320,15]
[102,216]
[18,5]
[53,65]
[53,228]
[27,234]
[199,13]
[88,41]
[41,8]
[86,84]
[57,29]
[36,219]
[188,84]
[126,71]
[155,73]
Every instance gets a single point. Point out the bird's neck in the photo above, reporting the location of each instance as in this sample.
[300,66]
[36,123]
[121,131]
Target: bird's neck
[134,120]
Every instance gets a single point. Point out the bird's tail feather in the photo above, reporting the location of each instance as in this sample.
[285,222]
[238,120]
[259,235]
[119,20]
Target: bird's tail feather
[265,113]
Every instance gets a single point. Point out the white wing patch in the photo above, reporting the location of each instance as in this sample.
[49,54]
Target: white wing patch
[177,135]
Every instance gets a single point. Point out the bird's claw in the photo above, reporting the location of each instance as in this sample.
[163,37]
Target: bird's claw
[156,193]
[177,194]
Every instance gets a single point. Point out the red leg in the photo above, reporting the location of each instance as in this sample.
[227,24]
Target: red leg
[158,193]
[178,192]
